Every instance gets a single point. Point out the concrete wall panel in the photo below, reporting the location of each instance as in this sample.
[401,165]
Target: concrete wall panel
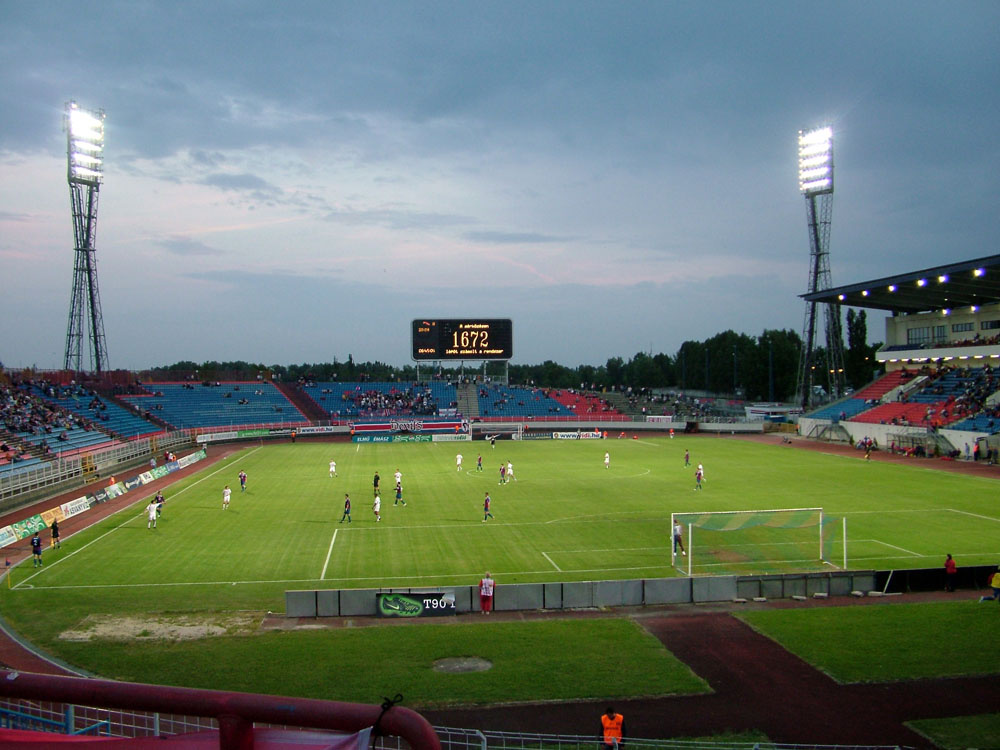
[300,603]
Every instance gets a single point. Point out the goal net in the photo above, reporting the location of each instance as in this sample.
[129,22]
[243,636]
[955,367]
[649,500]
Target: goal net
[757,541]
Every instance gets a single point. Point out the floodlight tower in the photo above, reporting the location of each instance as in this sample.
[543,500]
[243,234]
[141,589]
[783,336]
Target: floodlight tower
[816,184]
[85,154]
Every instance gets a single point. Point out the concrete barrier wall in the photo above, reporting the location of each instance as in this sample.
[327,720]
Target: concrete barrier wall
[587,594]
[833,583]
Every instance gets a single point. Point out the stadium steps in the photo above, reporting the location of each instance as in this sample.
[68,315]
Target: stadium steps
[309,408]
[468,399]
[619,401]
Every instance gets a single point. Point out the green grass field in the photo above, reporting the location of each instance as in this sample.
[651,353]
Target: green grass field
[566,518]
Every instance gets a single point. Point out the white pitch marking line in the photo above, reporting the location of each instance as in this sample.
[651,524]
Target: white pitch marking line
[551,561]
[901,549]
[130,518]
[328,553]
[974,515]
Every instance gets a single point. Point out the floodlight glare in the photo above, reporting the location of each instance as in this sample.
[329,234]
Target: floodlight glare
[942,279]
[921,282]
[979,272]
[85,135]
[816,161]
[892,287]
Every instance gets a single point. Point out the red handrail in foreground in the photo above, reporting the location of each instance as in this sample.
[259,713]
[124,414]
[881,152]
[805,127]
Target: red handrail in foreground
[235,712]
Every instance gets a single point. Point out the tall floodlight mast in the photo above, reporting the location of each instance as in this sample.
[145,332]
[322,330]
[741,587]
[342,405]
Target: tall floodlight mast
[85,154]
[816,184]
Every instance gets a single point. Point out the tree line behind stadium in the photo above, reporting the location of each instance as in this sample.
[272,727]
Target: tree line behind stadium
[753,367]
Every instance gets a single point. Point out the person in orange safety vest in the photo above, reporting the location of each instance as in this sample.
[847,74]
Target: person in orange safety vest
[612,728]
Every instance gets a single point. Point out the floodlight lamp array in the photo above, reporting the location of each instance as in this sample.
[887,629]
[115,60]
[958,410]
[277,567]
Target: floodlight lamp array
[85,132]
[816,161]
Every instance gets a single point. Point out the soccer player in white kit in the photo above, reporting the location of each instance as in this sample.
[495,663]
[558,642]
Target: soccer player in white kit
[333,468]
[458,462]
[607,460]
[376,507]
[151,513]
[225,497]
[510,472]
[398,476]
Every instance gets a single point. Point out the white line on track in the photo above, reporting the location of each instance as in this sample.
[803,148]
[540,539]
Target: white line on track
[127,520]
[551,561]
[328,553]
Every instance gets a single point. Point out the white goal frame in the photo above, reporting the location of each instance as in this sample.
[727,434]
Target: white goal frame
[690,532]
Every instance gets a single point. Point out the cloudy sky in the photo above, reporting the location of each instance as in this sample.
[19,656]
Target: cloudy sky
[296,181]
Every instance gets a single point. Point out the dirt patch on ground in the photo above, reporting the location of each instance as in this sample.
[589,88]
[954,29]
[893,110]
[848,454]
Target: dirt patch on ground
[160,627]
[456,664]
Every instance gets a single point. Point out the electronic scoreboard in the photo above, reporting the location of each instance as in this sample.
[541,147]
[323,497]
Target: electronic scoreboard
[465,338]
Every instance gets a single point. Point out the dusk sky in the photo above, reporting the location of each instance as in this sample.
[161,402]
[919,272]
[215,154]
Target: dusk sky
[295,182]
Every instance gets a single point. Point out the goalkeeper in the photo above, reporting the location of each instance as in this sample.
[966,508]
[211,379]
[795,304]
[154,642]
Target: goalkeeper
[679,538]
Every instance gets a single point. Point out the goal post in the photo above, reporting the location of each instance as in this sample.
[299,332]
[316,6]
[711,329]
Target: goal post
[755,541]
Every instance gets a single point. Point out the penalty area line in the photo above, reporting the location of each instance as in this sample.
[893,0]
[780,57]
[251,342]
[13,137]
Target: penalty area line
[551,561]
[328,553]
[901,549]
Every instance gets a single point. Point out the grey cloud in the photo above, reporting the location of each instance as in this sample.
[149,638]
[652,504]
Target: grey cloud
[187,247]
[241,182]
[511,238]
[398,218]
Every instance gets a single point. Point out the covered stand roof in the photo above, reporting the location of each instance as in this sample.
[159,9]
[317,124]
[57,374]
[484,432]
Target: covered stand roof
[948,287]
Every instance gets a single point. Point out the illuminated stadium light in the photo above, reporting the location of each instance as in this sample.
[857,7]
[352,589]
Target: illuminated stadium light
[816,161]
[892,287]
[841,297]
[942,279]
[86,145]
[864,293]
[975,308]
[85,173]
[945,311]
[921,282]
[979,272]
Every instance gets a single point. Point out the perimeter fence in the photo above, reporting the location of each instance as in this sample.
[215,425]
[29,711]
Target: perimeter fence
[72,719]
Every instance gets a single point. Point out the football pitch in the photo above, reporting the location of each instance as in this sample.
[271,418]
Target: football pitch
[564,518]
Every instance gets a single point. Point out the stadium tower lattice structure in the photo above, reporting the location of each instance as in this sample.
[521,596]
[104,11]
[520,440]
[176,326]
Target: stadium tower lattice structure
[819,212]
[85,143]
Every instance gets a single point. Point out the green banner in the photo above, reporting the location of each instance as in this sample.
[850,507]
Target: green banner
[28,526]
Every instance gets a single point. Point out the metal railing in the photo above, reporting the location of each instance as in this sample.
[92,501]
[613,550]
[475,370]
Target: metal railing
[18,483]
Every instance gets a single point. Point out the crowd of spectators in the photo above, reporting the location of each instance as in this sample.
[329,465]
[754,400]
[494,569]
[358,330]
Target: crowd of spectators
[415,400]
[22,413]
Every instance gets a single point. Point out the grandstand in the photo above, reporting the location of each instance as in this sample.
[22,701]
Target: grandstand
[584,404]
[103,412]
[499,400]
[383,399]
[940,354]
[229,404]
